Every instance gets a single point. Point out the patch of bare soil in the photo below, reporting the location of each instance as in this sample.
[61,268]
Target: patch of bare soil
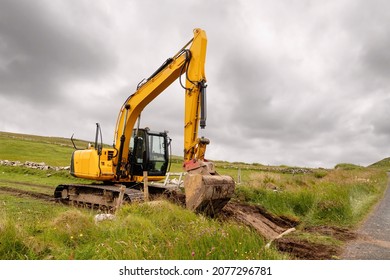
[19,192]
[175,197]
[25,184]
[341,234]
[307,250]
[275,229]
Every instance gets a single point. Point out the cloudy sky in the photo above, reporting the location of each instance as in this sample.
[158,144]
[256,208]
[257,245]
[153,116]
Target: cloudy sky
[295,82]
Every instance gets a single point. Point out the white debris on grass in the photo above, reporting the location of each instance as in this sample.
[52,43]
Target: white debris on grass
[103,217]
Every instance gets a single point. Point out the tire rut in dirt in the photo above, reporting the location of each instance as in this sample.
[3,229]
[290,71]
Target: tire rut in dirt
[19,192]
[26,184]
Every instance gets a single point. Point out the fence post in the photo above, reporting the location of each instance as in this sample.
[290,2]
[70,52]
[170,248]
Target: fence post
[122,189]
[146,186]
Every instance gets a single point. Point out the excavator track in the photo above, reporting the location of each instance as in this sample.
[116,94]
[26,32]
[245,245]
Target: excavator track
[107,197]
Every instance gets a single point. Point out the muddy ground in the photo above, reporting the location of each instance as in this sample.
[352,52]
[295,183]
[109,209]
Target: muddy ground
[279,231]
[282,232]
[300,248]
[19,192]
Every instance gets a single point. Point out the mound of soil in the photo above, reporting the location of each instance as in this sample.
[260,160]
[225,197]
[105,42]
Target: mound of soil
[341,234]
[266,224]
[306,250]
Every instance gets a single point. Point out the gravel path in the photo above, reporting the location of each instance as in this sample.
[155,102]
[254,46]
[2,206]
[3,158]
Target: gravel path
[374,235]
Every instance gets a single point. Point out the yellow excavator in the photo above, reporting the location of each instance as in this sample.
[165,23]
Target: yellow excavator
[137,152]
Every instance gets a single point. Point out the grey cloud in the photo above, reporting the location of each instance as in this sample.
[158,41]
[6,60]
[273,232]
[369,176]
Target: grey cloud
[367,27]
[40,52]
[379,120]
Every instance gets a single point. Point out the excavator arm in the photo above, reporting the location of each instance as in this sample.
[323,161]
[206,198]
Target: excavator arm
[189,62]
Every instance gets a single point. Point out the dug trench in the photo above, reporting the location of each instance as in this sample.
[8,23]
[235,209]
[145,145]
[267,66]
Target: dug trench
[279,231]
[285,234]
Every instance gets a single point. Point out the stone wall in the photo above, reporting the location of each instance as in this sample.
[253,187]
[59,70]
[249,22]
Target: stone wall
[33,165]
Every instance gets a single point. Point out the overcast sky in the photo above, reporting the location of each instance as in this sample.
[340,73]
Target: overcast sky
[303,83]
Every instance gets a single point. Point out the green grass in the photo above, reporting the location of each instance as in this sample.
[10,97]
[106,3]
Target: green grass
[157,230]
[383,164]
[339,198]
[53,151]
[348,166]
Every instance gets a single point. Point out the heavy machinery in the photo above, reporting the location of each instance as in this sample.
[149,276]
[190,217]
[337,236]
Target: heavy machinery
[121,169]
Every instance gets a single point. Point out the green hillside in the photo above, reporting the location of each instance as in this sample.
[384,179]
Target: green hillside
[53,151]
[384,163]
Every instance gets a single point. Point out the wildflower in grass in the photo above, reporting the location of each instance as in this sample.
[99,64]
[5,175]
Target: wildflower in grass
[211,251]
[224,233]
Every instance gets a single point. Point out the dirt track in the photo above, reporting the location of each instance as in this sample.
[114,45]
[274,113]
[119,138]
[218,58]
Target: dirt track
[19,192]
[373,242]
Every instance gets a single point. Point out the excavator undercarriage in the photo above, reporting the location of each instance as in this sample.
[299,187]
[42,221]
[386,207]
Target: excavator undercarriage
[99,196]
[206,194]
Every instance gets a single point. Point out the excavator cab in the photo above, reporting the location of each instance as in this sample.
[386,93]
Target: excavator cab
[148,151]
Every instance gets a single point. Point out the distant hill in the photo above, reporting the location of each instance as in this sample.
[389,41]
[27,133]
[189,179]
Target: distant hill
[348,166]
[384,163]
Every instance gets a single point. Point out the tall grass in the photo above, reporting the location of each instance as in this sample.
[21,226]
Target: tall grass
[339,197]
[156,230]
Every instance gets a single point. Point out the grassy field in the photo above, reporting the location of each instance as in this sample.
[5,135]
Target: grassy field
[334,197]
[53,151]
[32,228]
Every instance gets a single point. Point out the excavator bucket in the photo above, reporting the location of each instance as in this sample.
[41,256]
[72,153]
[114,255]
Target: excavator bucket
[208,194]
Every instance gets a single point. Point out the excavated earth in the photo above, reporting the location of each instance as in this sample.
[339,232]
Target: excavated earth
[267,225]
[307,250]
[280,231]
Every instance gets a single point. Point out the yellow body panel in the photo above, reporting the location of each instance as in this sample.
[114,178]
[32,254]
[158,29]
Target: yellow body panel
[89,165]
